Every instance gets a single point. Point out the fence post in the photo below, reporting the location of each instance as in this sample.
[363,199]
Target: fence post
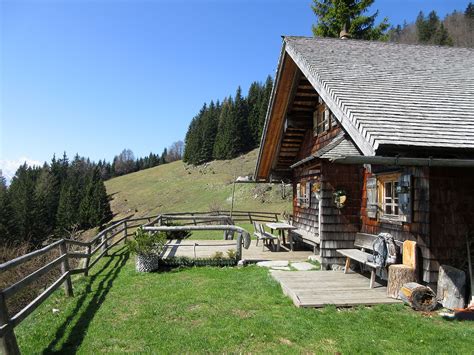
[88,260]
[8,344]
[65,269]
[125,230]
[104,240]
[239,247]
[250,217]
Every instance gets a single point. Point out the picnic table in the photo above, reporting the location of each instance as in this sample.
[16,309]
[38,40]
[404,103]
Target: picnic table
[281,227]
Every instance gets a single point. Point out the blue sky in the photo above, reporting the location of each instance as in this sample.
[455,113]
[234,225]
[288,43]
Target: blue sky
[95,77]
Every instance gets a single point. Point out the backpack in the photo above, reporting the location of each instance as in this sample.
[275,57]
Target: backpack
[385,251]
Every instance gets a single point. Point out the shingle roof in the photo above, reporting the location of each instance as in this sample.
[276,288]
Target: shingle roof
[386,94]
[341,146]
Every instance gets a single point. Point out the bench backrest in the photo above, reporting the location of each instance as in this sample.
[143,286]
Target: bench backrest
[364,240]
[258,227]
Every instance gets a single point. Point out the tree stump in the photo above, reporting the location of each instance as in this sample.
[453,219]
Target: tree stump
[451,287]
[398,275]
[419,297]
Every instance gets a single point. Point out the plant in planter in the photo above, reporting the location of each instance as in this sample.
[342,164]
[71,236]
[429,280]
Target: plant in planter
[147,246]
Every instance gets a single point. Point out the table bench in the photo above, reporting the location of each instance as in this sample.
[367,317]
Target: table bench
[269,238]
[306,237]
[364,242]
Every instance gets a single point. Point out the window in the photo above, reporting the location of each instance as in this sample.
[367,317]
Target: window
[321,118]
[388,200]
[303,194]
[389,197]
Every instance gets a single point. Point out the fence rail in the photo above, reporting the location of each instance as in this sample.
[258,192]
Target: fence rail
[94,249]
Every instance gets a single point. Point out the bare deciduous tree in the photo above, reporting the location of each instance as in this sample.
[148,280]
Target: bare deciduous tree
[124,163]
[175,151]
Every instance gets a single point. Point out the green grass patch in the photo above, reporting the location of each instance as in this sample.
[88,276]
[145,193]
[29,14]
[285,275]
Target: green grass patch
[220,310]
[176,187]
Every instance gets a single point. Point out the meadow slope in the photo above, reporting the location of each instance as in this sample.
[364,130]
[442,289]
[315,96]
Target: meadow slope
[177,187]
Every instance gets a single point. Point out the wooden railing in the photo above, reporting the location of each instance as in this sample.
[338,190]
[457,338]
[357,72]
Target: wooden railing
[237,216]
[93,250]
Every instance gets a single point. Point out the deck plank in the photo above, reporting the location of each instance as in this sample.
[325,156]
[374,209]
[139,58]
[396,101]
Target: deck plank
[206,248]
[320,288]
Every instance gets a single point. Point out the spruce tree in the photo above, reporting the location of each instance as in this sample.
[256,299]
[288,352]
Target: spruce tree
[47,197]
[66,214]
[6,227]
[208,132]
[223,143]
[24,206]
[334,16]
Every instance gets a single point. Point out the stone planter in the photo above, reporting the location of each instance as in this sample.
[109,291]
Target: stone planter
[147,262]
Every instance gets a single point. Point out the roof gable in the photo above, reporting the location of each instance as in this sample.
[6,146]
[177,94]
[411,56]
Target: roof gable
[387,93]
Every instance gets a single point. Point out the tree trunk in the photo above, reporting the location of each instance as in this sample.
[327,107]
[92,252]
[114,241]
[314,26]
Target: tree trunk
[398,275]
[419,297]
[451,287]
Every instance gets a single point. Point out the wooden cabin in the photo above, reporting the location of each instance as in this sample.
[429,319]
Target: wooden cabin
[375,137]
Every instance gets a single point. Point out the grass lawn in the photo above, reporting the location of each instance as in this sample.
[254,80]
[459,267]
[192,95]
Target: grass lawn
[220,310]
[176,187]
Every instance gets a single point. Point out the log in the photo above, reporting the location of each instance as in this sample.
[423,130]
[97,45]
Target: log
[451,287]
[399,275]
[419,297]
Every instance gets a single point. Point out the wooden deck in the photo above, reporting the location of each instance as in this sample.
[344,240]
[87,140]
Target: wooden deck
[206,248]
[320,288]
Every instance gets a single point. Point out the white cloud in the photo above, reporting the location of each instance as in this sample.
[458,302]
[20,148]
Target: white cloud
[9,167]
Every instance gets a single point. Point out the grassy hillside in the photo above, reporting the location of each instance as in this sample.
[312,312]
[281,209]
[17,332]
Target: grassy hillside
[177,187]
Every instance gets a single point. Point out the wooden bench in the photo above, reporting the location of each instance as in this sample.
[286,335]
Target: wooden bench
[265,237]
[306,237]
[364,242]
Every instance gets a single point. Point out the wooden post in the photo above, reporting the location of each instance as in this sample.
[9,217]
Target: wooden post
[88,260]
[233,193]
[125,230]
[104,246]
[239,247]
[8,344]
[65,269]
[250,217]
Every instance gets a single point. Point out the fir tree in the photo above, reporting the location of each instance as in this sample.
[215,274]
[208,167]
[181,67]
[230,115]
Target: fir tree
[334,16]
[24,206]
[223,143]
[66,215]
[47,197]
[6,227]
[94,208]
[469,12]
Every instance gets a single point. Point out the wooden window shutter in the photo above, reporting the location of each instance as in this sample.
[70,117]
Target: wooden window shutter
[298,194]
[371,187]
[308,194]
[404,197]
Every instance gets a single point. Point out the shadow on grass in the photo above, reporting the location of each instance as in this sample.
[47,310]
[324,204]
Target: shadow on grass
[83,317]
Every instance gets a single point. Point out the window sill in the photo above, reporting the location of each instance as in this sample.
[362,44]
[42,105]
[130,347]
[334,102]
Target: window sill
[392,220]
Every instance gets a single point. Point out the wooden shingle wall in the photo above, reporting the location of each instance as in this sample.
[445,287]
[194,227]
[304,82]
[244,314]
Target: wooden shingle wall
[451,215]
[418,230]
[339,226]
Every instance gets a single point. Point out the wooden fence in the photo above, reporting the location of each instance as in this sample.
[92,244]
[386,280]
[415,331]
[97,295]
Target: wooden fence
[237,216]
[92,251]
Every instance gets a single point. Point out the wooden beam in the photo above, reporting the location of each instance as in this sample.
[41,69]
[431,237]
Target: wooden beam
[276,116]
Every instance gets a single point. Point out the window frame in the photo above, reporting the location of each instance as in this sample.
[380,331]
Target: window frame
[382,181]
